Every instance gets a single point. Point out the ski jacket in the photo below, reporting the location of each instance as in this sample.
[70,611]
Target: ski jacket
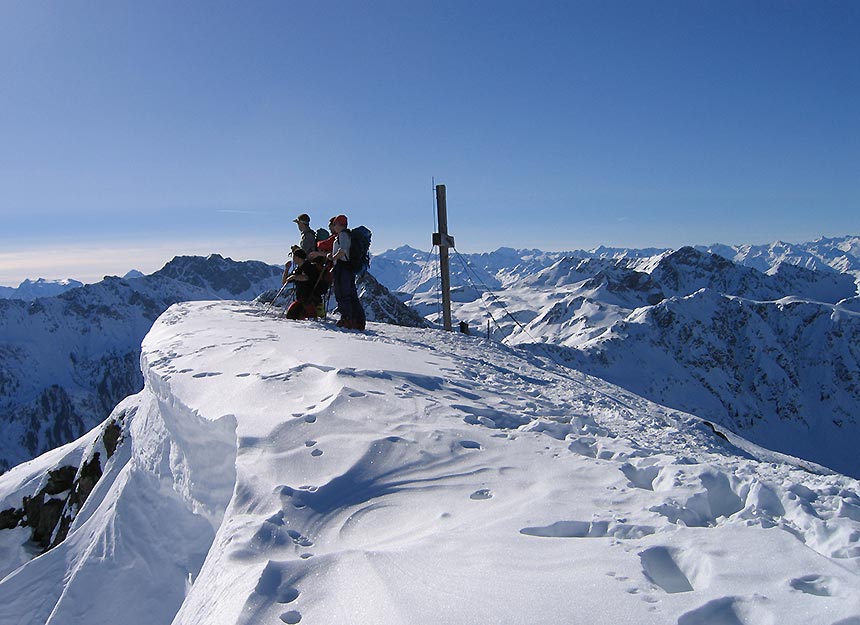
[341,243]
[309,241]
[306,289]
[325,246]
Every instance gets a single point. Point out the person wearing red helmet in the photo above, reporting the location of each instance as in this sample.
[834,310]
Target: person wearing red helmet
[351,311]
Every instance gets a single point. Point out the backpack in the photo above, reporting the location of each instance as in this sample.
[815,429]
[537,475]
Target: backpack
[359,250]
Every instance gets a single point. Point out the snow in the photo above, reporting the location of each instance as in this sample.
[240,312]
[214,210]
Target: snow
[275,471]
[29,290]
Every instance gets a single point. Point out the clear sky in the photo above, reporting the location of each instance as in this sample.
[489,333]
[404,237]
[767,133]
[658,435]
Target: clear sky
[134,131]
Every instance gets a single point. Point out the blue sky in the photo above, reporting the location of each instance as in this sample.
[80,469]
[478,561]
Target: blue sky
[134,131]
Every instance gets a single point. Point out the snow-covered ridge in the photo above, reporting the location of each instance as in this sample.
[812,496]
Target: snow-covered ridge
[410,270]
[286,472]
[66,361]
[29,290]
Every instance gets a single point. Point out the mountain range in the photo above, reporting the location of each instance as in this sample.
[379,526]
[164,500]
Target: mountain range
[763,343]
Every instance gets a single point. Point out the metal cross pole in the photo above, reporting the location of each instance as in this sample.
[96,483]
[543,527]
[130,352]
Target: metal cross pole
[444,241]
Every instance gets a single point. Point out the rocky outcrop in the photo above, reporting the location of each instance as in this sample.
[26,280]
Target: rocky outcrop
[225,277]
[50,511]
[380,305]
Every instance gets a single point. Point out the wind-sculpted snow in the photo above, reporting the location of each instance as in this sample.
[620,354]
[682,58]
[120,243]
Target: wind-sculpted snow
[66,361]
[285,472]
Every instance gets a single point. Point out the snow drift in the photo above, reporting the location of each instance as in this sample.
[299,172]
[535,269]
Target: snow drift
[275,471]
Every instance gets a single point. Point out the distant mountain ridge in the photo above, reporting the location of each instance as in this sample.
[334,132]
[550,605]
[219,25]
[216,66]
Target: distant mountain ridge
[841,254]
[409,270]
[29,290]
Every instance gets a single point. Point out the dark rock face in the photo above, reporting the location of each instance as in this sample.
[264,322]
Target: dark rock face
[60,480]
[219,274]
[111,437]
[50,511]
[381,305]
[10,518]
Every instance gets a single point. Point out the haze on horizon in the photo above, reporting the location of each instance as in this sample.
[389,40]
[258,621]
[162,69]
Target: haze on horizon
[134,132]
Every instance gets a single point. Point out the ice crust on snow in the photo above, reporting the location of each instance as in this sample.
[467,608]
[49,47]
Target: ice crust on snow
[274,471]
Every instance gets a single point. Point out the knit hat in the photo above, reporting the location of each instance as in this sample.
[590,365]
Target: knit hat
[340,220]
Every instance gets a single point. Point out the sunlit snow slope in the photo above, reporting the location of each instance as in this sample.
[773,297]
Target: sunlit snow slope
[283,472]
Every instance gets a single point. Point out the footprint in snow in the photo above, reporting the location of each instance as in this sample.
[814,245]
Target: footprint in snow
[287,595]
[292,617]
[729,610]
[484,493]
[659,566]
[470,445]
[206,374]
[818,585]
[317,453]
[299,539]
[590,529]
[275,585]
[641,477]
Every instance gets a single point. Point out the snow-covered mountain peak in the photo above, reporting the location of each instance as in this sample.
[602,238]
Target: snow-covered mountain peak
[29,290]
[224,276]
[274,471]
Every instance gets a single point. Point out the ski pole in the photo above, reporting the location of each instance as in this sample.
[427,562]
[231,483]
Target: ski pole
[269,305]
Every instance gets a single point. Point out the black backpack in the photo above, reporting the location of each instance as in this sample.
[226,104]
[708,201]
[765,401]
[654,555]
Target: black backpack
[359,250]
